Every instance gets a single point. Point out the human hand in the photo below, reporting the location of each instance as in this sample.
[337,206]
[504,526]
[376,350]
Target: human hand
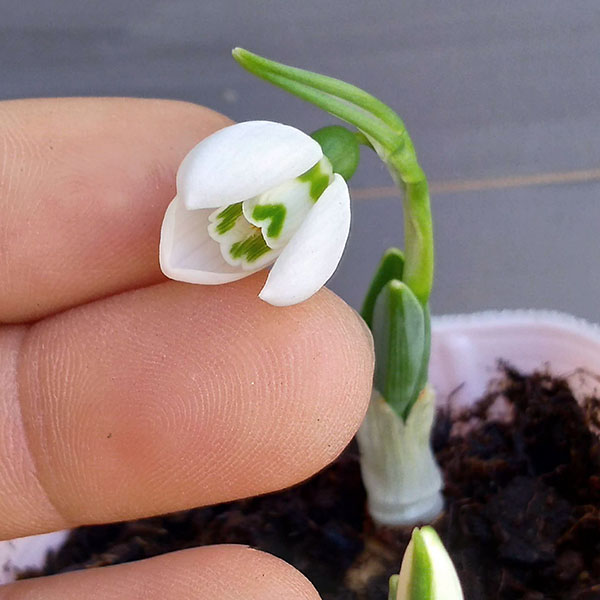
[123,395]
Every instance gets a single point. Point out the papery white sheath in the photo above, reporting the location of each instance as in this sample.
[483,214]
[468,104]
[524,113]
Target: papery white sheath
[254,194]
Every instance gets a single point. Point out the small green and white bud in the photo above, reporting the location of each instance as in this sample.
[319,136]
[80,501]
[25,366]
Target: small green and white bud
[427,572]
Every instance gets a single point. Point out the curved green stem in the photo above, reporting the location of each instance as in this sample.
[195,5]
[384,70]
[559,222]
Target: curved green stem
[418,236]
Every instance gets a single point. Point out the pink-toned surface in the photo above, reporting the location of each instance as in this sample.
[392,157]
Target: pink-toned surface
[215,573]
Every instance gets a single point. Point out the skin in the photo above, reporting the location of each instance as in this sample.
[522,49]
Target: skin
[125,395]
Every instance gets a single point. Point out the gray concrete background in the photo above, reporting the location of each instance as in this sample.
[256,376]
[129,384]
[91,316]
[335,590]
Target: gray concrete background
[501,99]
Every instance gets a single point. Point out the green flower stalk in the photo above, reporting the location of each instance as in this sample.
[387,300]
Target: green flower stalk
[402,479]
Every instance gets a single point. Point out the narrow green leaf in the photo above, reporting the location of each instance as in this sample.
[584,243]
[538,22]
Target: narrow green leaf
[329,85]
[391,266]
[399,332]
[424,369]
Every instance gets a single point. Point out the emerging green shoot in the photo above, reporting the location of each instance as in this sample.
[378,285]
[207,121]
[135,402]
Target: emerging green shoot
[427,572]
[402,333]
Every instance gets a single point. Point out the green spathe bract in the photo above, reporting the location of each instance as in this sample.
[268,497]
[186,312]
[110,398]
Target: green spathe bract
[341,147]
[343,100]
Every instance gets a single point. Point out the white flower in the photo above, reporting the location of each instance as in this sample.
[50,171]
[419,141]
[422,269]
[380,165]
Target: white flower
[254,194]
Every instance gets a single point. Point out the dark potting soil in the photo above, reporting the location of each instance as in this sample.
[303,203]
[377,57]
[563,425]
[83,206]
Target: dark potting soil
[522,519]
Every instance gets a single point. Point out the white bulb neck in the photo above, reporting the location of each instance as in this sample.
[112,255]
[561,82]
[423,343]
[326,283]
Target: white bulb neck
[400,473]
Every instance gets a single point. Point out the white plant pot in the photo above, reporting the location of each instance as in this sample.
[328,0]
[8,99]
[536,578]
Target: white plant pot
[464,358]
[27,553]
[466,350]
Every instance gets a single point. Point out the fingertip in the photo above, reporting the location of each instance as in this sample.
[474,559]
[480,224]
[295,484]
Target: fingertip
[325,352]
[90,179]
[348,344]
[207,573]
[179,395]
[267,576]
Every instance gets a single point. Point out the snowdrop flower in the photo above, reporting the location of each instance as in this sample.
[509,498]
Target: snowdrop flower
[252,195]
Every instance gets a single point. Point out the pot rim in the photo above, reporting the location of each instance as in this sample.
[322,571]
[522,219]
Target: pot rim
[467,348]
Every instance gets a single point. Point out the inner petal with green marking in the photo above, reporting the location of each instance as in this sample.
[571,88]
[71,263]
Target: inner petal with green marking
[280,211]
[242,244]
[253,233]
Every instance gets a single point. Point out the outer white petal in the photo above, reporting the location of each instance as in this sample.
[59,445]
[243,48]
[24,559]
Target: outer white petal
[188,253]
[242,161]
[314,252]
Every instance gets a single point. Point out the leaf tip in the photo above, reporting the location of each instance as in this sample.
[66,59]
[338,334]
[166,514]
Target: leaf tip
[239,54]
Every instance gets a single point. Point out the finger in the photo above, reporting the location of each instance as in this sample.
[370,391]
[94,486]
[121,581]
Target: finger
[174,396]
[209,573]
[84,184]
